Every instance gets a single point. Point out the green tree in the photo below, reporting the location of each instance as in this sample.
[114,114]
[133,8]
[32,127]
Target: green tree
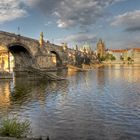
[112,58]
[129,58]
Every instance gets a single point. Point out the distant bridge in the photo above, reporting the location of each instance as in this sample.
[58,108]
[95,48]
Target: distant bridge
[28,52]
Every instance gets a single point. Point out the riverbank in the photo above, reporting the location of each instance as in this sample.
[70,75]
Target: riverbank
[91,66]
[11,138]
[120,63]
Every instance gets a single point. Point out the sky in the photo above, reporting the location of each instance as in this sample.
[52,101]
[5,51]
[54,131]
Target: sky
[116,22]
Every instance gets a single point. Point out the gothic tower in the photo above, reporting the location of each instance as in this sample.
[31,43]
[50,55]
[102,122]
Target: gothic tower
[100,48]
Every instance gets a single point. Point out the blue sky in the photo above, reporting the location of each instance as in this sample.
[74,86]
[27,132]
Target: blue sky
[117,22]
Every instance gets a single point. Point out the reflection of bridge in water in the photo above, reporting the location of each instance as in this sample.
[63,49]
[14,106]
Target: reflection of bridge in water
[29,53]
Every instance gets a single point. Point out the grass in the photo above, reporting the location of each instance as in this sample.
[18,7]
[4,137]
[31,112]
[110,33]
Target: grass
[11,127]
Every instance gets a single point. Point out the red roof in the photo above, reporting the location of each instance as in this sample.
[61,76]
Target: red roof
[136,49]
[118,51]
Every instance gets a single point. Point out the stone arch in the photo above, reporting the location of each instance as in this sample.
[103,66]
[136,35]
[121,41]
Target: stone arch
[58,58]
[22,56]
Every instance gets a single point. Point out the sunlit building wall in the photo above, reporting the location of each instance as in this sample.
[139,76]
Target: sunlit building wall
[136,55]
[6,60]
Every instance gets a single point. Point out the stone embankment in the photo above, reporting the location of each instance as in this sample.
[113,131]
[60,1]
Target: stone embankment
[10,138]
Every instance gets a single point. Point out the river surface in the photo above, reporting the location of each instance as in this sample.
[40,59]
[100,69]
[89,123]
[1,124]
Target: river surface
[103,104]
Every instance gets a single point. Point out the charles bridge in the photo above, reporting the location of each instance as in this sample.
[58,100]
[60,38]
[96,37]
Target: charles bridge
[31,53]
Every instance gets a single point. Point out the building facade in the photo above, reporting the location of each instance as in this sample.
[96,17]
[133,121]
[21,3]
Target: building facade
[136,55]
[6,60]
[118,54]
[132,54]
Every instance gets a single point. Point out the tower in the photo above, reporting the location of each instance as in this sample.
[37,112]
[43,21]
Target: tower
[100,48]
[76,48]
[41,41]
[65,46]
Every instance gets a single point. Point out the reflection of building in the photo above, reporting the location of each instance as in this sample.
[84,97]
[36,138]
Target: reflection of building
[100,48]
[6,60]
[4,96]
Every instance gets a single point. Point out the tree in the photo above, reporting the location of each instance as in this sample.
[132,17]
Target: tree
[112,58]
[129,58]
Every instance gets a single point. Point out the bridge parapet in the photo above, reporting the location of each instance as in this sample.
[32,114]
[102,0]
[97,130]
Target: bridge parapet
[9,39]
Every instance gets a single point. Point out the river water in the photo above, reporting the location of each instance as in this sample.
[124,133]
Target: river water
[103,104]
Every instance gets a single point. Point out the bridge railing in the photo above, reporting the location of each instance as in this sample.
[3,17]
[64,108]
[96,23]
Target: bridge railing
[16,35]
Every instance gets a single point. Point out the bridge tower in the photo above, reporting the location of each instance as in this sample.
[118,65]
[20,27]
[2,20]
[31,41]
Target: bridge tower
[100,48]
[41,41]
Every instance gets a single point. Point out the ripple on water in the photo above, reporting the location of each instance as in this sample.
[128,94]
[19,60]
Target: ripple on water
[103,104]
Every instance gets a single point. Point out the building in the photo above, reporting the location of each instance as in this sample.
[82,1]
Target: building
[132,54]
[6,60]
[135,55]
[119,54]
[100,48]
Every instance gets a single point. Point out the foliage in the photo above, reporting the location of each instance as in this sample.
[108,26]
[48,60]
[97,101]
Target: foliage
[107,57]
[14,128]
[112,58]
[129,59]
[102,58]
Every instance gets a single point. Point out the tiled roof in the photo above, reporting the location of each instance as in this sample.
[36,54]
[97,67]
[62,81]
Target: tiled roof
[136,49]
[118,51]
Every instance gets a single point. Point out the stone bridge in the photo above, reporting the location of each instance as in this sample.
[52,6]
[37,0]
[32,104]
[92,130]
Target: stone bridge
[29,52]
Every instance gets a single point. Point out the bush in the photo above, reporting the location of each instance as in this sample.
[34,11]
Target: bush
[129,58]
[14,128]
[113,58]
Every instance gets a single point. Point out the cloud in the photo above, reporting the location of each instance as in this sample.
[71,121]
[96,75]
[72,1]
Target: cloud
[10,10]
[71,13]
[30,3]
[123,43]
[48,23]
[129,20]
[133,43]
[79,38]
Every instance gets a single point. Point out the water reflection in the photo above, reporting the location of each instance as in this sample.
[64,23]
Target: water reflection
[4,97]
[103,104]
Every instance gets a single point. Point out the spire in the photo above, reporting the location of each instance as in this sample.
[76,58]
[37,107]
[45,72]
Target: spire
[18,30]
[84,50]
[76,48]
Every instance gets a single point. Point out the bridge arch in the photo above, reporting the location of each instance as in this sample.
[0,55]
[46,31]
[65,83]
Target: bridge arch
[57,58]
[22,56]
